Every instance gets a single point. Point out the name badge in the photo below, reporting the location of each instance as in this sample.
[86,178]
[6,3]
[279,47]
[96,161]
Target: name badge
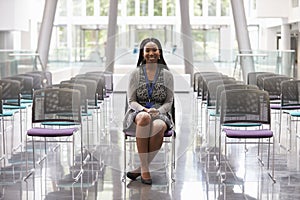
[149,104]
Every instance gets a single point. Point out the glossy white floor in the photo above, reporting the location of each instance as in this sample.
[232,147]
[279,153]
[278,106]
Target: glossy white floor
[196,173]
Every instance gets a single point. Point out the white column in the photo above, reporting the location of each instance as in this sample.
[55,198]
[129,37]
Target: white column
[46,31]
[186,38]
[240,22]
[111,36]
[285,46]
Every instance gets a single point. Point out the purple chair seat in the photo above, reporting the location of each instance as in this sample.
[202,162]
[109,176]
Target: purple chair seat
[278,106]
[48,132]
[260,133]
[130,133]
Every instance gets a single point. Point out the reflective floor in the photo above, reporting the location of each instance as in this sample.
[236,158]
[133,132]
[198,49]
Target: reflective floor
[196,173]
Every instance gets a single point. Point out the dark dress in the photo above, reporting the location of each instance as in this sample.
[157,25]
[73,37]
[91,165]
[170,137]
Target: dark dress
[159,96]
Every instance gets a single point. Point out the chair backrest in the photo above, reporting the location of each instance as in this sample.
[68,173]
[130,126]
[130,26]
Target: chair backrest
[83,93]
[290,93]
[252,77]
[206,81]
[221,88]
[212,89]
[37,80]
[273,85]
[109,82]
[91,86]
[11,92]
[202,77]
[56,104]
[252,106]
[100,79]
[196,76]
[26,85]
[46,77]
[260,79]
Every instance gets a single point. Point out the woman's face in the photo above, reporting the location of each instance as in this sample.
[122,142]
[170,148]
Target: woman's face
[151,52]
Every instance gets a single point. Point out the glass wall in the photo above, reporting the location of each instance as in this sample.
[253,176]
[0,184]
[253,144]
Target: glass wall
[198,7]
[91,36]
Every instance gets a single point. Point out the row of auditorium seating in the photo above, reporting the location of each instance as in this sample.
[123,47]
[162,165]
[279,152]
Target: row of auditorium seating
[237,113]
[51,111]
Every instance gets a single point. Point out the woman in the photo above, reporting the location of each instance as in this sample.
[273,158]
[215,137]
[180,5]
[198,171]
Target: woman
[150,97]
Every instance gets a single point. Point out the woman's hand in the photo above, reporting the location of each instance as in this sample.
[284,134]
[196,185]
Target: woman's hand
[153,112]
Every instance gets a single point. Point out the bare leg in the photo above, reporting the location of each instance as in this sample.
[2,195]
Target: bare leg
[143,120]
[155,142]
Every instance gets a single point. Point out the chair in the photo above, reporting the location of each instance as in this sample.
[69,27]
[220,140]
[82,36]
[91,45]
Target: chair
[211,101]
[246,106]
[290,105]
[216,112]
[272,84]
[197,74]
[26,87]
[55,105]
[46,77]
[169,137]
[11,97]
[252,77]
[260,79]
[109,84]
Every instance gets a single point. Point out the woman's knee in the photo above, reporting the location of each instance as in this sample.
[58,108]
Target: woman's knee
[158,127]
[143,119]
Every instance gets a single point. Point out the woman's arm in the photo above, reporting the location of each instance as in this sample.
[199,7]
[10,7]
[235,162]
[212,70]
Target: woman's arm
[131,91]
[169,84]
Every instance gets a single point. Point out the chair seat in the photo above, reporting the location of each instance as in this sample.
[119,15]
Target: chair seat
[59,123]
[260,133]
[278,106]
[49,132]
[168,133]
[293,113]
[7,113]
[242,124]
[14,107]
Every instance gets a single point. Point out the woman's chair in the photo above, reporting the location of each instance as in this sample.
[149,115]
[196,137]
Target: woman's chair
[246,106]
[56,105]
[169,138]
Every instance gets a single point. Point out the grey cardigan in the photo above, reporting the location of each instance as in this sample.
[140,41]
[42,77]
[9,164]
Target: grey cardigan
[133,85]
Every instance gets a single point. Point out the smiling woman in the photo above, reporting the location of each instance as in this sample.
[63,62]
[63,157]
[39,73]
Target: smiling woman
[150,98]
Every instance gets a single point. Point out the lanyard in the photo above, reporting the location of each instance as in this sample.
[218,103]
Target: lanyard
[150,89]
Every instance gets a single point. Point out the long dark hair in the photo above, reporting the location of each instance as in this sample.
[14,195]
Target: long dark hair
[141,61]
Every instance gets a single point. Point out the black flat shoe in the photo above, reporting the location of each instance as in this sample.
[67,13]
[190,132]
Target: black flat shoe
[146,181]
[132,175]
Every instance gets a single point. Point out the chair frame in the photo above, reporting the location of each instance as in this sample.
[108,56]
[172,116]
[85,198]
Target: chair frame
[229,116]
[39,102]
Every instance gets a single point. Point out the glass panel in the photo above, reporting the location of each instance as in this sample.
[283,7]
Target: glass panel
[225,6]
[158,8]
[59,51]
[62,8]
[77,4]
[212,8]
[170,7]
[144,8]
[130,7]
[254,4]
[208,41]
[295,3]
[119,8]
[104,6]
[198,6]
[89,7]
